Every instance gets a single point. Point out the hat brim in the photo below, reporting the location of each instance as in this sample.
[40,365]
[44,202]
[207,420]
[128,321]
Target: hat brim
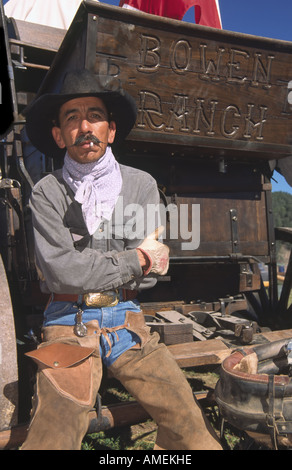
[42,112]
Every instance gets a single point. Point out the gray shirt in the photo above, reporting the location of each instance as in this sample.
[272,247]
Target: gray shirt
[73,262]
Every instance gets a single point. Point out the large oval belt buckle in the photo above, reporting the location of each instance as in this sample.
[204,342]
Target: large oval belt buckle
[109,298]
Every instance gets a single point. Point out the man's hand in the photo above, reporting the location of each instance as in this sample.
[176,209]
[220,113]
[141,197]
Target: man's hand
[153,255]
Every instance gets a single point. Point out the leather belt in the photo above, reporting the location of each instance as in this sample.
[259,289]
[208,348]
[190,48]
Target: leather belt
[98,299]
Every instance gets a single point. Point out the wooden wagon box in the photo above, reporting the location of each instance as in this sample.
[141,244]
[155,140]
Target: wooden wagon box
[200,90]
[213,111]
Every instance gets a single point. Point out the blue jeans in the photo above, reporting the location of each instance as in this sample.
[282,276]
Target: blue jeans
[64,313]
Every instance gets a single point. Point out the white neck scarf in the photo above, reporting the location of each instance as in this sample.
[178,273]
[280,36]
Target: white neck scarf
[96,185]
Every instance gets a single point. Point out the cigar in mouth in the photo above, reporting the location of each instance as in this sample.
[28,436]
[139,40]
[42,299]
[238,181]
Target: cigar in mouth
[85,138]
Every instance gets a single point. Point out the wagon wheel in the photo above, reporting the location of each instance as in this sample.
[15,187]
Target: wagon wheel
[8,357]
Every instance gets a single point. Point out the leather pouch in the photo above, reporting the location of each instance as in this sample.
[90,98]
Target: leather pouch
[69,369]
[60,355]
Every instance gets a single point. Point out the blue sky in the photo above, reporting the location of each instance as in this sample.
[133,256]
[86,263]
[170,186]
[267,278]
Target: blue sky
[259,17]
[267,18]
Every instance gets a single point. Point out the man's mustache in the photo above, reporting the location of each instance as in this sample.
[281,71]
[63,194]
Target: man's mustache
[87,138]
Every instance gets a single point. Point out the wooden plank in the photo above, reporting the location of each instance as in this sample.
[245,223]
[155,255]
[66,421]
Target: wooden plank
[39,36]
[277,335]
[214,351]
[198,353]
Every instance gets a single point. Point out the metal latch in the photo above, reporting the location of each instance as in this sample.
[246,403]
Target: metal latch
[234,230]
[6,183]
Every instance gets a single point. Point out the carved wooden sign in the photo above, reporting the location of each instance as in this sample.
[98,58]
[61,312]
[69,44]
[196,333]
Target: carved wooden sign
[198,89]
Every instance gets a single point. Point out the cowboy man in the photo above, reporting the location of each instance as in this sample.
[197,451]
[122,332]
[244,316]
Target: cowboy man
[93,273]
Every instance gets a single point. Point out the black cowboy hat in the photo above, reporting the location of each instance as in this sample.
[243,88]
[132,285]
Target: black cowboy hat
[44,110]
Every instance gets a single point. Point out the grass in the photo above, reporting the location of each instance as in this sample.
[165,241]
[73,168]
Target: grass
[143,435]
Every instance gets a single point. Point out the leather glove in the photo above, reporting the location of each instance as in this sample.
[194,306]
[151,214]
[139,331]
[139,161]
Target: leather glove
[156,252]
